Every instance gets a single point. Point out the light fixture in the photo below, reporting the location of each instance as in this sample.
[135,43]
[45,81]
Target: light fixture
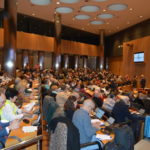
[82,17]
[104,10]
[90,8]
[57,3]
[9,64]
[105,16]
[40,2]
[97,22]
[141,16]
[117,7]
[33,14]
[131,9]
[64,10]
[69,1]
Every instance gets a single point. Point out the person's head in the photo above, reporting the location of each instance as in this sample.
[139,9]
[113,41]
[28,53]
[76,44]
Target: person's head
[124,98]
[21,86]
[2,99]
[11,94]
[142,76]
[71,103]
[88,105]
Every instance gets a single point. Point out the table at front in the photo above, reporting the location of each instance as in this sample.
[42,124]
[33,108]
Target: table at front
[22,135]
[106,141]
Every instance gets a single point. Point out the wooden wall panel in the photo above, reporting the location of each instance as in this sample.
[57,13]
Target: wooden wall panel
[34,42]
[123,65]
[78,48]
[19,59]
[43,43]
[1,37]
[115,65]
[131,68]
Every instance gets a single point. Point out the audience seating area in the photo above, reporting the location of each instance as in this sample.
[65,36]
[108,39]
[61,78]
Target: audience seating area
[44,107]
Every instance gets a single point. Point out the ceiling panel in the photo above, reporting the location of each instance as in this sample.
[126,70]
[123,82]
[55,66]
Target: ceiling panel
[137,11]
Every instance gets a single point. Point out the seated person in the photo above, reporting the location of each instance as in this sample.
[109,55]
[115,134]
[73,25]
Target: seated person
[22,96]
[5,128]
[82,121]
[121,110]
[109,103]
[10,111]
[70,106]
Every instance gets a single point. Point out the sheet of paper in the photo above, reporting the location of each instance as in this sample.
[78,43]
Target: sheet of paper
[97,121]
[29,128]
[103,137]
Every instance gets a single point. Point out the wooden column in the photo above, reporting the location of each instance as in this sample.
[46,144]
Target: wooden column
[10,28]
[57,42]
[76,64]
[84,61]
[41,59]
[100,58]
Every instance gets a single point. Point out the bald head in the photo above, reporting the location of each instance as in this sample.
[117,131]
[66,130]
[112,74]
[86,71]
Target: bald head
[88,105]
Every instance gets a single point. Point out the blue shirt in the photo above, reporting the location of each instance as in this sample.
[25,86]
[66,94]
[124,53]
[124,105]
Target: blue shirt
[82,121]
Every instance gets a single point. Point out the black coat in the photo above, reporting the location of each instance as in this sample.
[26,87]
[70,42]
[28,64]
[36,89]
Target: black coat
[73,139]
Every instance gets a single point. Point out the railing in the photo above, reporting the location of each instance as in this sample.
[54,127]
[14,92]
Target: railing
[26,143]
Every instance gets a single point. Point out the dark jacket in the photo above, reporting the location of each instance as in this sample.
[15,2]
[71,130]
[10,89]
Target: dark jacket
[72,134]
[3,133]
[69,114]
[121,112]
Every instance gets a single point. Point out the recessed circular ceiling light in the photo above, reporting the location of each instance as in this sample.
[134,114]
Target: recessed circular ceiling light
[105,16]
[90,8]
[97,22]
[69,1]
[117,7]
[100,0]
[82,17]
[131,9]
[64,10]
[40,2]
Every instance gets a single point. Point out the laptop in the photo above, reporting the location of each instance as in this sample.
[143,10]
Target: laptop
[109,121]
[99,113]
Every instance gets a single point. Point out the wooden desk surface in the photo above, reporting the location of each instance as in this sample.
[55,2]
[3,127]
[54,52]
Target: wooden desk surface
[22,135]
[106,141]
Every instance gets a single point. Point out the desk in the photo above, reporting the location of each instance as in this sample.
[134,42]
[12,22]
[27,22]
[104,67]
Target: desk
[106,141]
[23,136]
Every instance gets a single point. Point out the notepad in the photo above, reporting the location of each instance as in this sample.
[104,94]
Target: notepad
[29,128]
[103,137]
[29,106]
[97,121]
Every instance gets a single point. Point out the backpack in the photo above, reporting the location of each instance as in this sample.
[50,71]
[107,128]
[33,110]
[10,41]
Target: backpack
[112,146]
[124,139]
